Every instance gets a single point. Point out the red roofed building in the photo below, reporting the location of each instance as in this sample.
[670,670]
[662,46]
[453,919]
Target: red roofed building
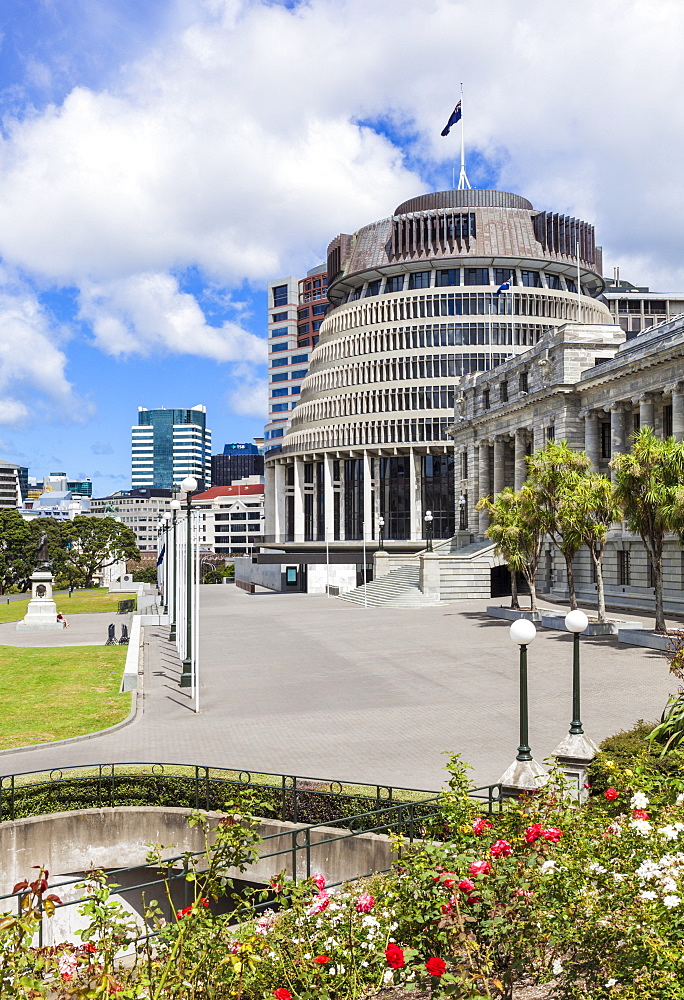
[232,519]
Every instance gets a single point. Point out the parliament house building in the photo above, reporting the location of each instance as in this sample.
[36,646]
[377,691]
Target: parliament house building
[450,284]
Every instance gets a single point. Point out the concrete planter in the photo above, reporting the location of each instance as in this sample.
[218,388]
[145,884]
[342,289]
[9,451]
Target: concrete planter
[593,628]
[496,611]
[646,637]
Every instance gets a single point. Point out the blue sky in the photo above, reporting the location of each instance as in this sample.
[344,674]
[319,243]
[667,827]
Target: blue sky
[160,162]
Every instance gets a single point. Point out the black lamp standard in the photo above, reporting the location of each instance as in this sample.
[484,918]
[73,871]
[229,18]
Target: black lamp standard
[462,505]
[576,621]
[165,565]
[174,508]
[381,532]
[523,632]
[188,486]
[428,530]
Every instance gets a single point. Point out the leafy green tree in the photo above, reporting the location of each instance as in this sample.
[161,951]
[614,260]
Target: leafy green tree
[586,510]
[649,486]
[518,527]
[554,471]
[92,543]
[17,549]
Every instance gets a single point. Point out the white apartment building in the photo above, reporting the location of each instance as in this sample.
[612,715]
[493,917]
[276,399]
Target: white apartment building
[232,516]
[168,445]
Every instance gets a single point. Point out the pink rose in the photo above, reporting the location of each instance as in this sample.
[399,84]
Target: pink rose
[319,882]
[639,814]
[465,885]
[500,849]
[480,825]
[365,903]
[320,903]
[552,834]
[479,868]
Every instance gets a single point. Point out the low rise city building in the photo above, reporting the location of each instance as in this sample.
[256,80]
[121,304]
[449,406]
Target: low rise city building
[10,484]
[139,509]
[61,505]
[236,462]
[232,516]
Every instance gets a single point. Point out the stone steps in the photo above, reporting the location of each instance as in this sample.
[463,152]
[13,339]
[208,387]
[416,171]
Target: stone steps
[398,589]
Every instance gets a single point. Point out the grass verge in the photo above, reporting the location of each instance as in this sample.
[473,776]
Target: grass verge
[53,694]
[81,602]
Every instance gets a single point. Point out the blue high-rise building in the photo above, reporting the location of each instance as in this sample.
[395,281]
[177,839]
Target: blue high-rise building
[168,445]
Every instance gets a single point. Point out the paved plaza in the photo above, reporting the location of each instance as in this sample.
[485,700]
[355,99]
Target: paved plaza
[84,630]
[309,685]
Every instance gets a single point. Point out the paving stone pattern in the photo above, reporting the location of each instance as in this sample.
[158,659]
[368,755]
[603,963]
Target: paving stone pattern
[309,685]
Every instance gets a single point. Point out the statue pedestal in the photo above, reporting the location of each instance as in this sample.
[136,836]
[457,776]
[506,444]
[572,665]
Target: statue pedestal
[41,614]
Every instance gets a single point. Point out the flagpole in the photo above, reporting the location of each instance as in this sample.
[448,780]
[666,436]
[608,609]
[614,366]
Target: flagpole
[463,181]
[579,286]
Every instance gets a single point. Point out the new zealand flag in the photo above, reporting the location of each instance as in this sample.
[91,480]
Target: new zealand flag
[455,117]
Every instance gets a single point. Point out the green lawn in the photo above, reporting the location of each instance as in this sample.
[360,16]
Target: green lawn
[52,694]
[81,602]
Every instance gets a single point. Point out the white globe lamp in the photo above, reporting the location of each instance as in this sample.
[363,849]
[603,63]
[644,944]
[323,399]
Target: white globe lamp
[522,631]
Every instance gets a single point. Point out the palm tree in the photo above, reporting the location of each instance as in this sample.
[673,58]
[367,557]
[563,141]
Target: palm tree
[517,527]
[649,486]
[554,471]
[586,511]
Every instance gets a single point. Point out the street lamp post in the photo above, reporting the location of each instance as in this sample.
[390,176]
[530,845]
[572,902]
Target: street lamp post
[462,504]
[166,575]
[188,486]
[428,530]
[381,532]
[174,508]
[525,773]
[576,622]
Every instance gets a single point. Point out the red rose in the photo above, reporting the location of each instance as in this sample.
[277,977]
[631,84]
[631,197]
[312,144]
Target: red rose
[639,814]
[319,882]
[533,832]
[394,956]
[282,994]
[479,868]
[480,825]
[436,966]
[500,849]
[611,794]
[552,834]
[465,885]
[321,959]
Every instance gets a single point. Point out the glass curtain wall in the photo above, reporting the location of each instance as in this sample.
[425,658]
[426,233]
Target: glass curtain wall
[395,497]
[353,498]
[438,493]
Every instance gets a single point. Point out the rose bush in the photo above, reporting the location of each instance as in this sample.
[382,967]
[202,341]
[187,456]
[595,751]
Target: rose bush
[590,896]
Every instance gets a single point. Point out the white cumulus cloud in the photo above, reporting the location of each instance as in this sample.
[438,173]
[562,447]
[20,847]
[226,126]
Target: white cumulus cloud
[147,313]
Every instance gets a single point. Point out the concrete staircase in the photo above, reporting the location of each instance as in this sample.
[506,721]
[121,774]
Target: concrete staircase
[397,589]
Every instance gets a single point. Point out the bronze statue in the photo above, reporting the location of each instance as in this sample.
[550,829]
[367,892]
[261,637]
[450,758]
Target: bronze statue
[44,561]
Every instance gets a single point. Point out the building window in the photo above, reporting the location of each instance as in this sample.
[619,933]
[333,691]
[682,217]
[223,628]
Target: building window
[504,392]
[476,276]
[279,407]
[296,389]
[667,420]
[485,399]
[279,317]
[395,283]
[447,276]
[279,392]
[280,377]
[303,329]
[570,285]
[524,382]
[419,279]
[279,362]
[279,331]
[301,373]
[605,440]
[373,288]
[320,310]
[299,359]
[623,568]
[279,347]
[304,342]
[502,274]
[316,325]
[280,295]
[239,516]
[303,313]
[553,281]
[550,433]
[531,279]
